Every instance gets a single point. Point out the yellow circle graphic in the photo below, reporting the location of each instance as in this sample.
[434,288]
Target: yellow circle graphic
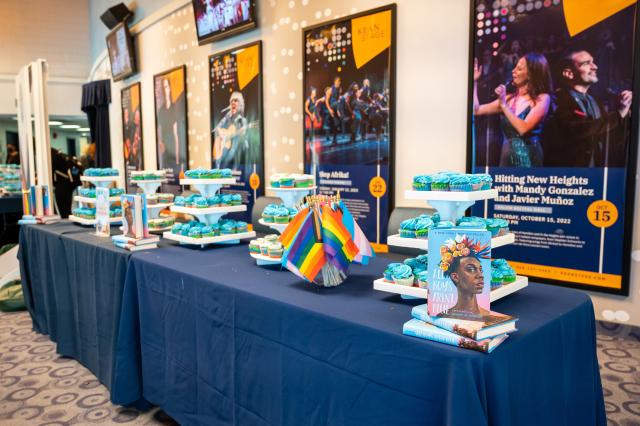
[602,213]
[254,181]
[377,187]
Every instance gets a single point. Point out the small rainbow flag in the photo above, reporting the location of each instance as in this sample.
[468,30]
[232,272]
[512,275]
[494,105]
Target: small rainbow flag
[290,232]
[338,243]
[305,257]
[365,251]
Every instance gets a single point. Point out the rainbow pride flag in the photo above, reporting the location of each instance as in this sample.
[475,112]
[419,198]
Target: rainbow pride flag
[305,256]
[290,232]
[365,251]
[339,245]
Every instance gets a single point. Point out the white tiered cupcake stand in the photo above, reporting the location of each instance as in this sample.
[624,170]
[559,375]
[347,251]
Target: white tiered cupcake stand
[98,182]
[451,206]
[149,187]
[290,197]
[210,215]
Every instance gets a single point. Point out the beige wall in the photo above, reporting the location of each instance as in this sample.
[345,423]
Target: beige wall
[432,49]
[54,30]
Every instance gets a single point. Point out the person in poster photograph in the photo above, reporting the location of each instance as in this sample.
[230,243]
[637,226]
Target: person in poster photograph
[213,16]
[236,113]
[171,122]
[132,130]
[551,123]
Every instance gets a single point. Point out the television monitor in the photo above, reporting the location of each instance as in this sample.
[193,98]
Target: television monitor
[217,19]
[120,48]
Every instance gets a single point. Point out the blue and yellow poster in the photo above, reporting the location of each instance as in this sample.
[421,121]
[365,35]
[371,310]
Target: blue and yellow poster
[348,105]
[553,124]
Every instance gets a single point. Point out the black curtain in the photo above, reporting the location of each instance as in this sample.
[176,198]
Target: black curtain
[96,97]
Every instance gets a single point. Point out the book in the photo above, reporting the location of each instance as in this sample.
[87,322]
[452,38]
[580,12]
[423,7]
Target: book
[428,331]
[133,247]
[39,201]
[492,326]
[134,211]
[135,241]
[459,273]
[103,228]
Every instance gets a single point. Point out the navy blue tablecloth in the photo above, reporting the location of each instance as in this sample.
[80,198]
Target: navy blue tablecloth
[214,339]
[73,283]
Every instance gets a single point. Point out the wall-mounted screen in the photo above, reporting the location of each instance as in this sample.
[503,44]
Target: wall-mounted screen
[120,48]
[216,19]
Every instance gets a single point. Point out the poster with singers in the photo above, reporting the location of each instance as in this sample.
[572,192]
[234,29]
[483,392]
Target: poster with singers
[553,119]
[131,133]
[171,125]
[235,80]
[348,81]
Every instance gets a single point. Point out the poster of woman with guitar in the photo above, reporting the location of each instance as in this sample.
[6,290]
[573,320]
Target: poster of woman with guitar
[235,80]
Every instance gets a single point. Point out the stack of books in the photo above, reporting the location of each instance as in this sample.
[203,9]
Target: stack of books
[135,227]
[483,336]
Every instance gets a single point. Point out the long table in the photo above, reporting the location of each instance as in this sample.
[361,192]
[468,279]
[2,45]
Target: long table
[73,284]
[214,339]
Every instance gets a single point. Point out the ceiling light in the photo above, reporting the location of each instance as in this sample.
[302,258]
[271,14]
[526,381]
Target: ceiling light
[69,126]
[83,129]
[55,123]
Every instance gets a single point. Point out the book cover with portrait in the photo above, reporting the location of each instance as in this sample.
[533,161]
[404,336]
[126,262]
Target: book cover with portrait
[460,274]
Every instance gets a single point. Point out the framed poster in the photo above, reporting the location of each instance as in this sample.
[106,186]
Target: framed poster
[235,83]
[132,145]
[349,105]
[217,19]
[171,124]
[552,120]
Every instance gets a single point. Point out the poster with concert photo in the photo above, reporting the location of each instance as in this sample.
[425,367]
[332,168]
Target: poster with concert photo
[235,81]
[171,124]
[132,132]
[349,96]
[552,119]
[217,19]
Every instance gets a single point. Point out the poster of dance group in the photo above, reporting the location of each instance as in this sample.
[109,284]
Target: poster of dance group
[235,80]
[171,125]
[348,75]
[553,121]
[131,132]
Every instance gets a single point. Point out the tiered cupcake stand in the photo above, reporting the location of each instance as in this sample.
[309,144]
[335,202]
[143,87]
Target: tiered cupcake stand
[290,197]
[98,182]
[210,215]
[150,187]
[451,206]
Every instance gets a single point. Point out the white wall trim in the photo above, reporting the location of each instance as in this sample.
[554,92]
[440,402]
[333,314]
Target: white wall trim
[140,27]
[51,79]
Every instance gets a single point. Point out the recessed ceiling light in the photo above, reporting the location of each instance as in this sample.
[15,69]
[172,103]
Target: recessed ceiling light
[55,123]
[83,129]
[69,126]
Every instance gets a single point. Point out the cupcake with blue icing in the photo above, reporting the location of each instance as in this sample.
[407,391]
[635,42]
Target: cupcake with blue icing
[423,279]
[460,183]
[422,183]
[214,200]
[496,278]
[268,213]
[440,182]
[206,231]
[195,232]
[388,272]
[200,203]
[225,199]
[236,199]
[228,228]
[176,228]
[226,173]
[487,181]
[241,226]
[408,228]
[403,275]
[215,228]
[281,215]
[287,181]
[422,227]
[444,224]
[185,229]
[179,201]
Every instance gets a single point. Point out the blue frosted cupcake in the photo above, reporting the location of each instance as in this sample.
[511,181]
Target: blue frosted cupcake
[388,272]
[403,275]
[225,199]
[423,278]
[228,228]
[226,173]
[422,227]
[179,201]
[206,231]
[215,228]
[444,224]
[200,203]
[487,181]
[422,183]
[214,200]
[236,199]
[176,228]
[184,231]
[460,183]
[241,226]
[440,182]
[408,228]
[195,232]
[496,278]
[281,215]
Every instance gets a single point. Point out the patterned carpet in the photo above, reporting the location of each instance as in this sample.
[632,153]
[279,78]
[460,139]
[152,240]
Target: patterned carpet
[38,387]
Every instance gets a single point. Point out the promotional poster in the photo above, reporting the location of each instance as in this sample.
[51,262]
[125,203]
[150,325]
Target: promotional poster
[552,122]
[132,132]
[459,274]
[102,212]
[171,125]
[349,94]
[236,121]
